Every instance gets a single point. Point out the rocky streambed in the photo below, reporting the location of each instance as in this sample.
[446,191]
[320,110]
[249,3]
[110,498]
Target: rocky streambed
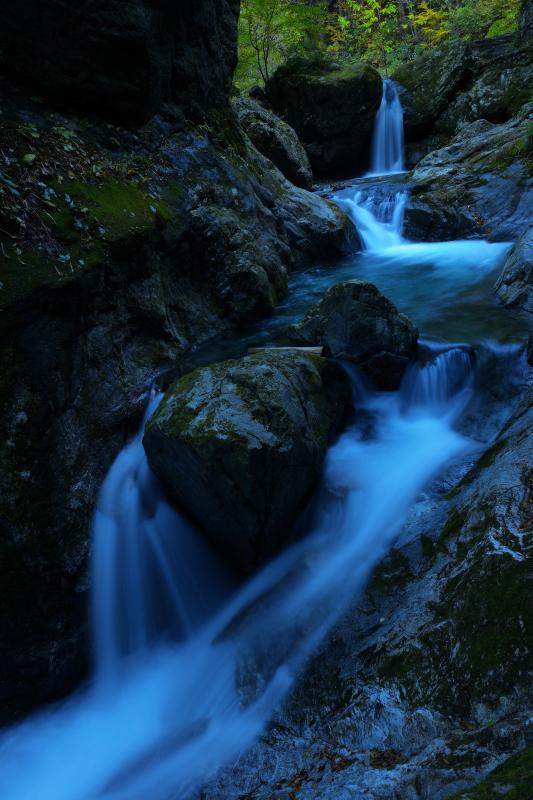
[313,579]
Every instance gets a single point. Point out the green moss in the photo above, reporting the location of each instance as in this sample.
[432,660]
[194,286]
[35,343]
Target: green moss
[394,571]
[121,209]
[453,525]
[484,612]
[428,547]
[513,780]
[485,461]
[508,155]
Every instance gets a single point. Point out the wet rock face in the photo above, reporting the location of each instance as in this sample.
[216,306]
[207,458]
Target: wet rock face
[462,82]
[481,182]
[123,58]
[355,321]
[425,686]
[332,109]
[240,446]
[276,140]
[525,20]
[514,287]
[201,246]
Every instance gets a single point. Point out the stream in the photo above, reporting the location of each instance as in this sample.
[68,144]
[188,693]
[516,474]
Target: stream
[189,666]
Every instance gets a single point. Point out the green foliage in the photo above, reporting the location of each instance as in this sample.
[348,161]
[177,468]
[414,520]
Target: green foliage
[270,31]
[382,32]
[476,19]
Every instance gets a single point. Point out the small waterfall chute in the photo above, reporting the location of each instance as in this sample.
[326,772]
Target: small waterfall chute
[146,559]
[379,221]
[441,384]
[388,140]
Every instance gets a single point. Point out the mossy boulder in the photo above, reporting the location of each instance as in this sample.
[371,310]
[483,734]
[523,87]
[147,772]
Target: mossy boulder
[240,445]
[430,81]
[355,321]
[276,140]
[331,108]
[462,82]
[514,287]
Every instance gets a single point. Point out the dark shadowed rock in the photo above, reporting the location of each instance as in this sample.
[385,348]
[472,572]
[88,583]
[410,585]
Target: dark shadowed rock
[122,58]
[331,108]
[426,220]
[240,445]
[356,322]
[514,287]
[525,20]
[276,140]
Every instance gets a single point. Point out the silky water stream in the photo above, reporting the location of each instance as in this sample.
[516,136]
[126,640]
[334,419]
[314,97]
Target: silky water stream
[189,666]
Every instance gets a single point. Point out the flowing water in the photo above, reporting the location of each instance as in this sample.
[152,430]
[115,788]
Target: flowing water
[387,145]
[189,667]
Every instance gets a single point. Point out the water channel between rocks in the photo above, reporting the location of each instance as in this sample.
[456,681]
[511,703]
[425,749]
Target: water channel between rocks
[189,666]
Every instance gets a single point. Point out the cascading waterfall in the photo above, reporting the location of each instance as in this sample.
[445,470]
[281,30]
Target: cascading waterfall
[153,576]
[176,714]
[434,384]
[387,145]
[189,670]
[379,222]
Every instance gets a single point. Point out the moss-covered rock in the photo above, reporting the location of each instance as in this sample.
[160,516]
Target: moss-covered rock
[512,780]
[331,108]
[462,82]
[429,82]
[276,140]
[355,321]
[240,445]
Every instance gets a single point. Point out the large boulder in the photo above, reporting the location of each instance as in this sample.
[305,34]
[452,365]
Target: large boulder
[122,58]
[276,140]
[461,82]
[240,446]
[355,321]
[514,287]
[482,178]
[331,108]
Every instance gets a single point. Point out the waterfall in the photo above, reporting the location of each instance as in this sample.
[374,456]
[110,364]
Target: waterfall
[188,702]
[146,560]
[435,384]
[189,668]
[379,222]
[387,144]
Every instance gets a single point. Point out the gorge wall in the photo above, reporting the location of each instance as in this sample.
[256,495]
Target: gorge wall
[123,58]
[120,250]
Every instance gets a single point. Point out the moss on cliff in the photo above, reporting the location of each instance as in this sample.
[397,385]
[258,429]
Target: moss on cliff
[512,780]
